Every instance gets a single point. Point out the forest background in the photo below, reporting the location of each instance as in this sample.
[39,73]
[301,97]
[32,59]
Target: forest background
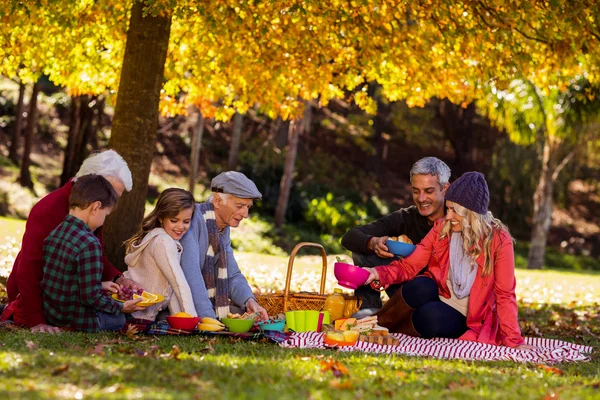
[325,106]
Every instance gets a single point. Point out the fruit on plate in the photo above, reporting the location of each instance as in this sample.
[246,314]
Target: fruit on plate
[126,293]
[350,336]
[182,314]
[335,335]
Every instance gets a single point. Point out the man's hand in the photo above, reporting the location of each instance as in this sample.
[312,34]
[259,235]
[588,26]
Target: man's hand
[373,275]
[43,328]
[253,306]
[377,246]
[128,282]
[131,306]
[111,287]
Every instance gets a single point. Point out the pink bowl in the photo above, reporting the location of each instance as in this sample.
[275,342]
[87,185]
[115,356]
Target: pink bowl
[349,276]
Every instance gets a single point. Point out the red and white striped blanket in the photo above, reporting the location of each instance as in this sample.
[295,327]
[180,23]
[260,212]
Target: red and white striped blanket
[550,350]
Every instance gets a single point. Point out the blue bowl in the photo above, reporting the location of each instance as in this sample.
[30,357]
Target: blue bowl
[399,248]
[276,325]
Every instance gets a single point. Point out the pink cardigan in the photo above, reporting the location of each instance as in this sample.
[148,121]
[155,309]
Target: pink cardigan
[492,312]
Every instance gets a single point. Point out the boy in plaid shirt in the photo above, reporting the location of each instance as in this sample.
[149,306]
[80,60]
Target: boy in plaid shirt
[72,292]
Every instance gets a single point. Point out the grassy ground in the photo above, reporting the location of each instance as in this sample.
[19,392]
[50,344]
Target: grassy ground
[554,304]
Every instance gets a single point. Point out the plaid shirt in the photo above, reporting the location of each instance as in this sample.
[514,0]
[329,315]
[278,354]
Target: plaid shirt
[71,279]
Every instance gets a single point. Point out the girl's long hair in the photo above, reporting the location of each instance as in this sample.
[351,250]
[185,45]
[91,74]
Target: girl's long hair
[477,229]
[169,204]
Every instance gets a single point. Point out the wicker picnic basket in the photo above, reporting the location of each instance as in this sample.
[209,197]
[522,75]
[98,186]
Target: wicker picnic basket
[276,303]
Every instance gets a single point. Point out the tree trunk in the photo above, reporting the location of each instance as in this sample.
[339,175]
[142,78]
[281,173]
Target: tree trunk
[457,124]
[236,135]
[74,132]
[197,131]
[288,172]
[25,177]
[283,132]
[135,121]
[99,113]
[382,126]
[542,211]
[14,143]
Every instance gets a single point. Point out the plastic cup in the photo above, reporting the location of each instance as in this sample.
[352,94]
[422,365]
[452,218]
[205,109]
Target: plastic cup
[326,317]
[320,325]
[290,320]
[312,320]
[300,321]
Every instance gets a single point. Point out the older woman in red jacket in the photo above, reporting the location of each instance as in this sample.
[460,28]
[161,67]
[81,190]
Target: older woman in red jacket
[468,291]
[24,282]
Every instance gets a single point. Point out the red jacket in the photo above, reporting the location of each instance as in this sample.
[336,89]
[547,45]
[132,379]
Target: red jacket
[25,278]
[492,311]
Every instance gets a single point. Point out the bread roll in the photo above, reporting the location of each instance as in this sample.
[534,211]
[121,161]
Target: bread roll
[405,239]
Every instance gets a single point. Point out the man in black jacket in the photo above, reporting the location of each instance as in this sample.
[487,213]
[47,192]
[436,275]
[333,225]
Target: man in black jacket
[429,178]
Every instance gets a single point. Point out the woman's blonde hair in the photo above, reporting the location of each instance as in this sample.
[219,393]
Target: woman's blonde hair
[169,204]
[477,229]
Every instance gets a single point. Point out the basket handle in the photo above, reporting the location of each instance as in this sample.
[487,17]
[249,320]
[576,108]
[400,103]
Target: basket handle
[288,278]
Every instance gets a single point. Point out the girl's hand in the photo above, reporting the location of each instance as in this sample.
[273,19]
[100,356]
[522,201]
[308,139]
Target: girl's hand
[373,275]
[128,282]
[110,287]
[131,306]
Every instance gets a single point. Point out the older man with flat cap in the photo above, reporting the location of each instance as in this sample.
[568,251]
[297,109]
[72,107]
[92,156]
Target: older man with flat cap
[215,279]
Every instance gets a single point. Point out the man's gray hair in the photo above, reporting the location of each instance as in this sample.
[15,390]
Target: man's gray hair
[107,163]
[224,197]
[431,166]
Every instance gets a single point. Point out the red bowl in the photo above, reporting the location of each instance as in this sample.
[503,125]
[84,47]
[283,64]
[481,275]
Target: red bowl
[349,276]
[185,323]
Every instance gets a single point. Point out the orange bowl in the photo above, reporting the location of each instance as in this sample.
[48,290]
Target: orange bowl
[331,342]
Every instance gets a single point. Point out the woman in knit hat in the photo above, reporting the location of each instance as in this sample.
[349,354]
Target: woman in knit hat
[468,291]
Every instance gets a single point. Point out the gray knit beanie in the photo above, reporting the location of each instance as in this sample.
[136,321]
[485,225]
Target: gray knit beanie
[470,191]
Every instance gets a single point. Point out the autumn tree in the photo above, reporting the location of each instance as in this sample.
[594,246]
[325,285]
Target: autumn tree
[559,123]
[226,56]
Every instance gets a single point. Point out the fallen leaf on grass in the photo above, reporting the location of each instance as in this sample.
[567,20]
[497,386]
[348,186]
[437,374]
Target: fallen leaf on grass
[98,350]
[552,370]
[337,368]
[208,349]
[60,370]
[131,332]
[462,383]
[30,345]
[340,384]
[174,352]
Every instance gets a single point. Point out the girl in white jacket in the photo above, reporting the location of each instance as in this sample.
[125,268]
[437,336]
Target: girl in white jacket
[154,254]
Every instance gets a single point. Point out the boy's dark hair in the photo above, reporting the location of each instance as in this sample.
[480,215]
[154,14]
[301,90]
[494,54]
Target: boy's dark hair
[90,188]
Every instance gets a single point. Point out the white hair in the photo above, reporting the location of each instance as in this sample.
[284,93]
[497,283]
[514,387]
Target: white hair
[107,163]
[432,166]
[224,197]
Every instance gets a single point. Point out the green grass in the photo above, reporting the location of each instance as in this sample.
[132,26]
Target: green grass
[77,365]
[553,304]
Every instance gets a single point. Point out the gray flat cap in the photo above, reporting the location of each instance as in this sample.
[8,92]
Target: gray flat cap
[236,184]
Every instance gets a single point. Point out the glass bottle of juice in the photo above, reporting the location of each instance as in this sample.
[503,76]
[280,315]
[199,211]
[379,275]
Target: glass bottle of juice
[334,303]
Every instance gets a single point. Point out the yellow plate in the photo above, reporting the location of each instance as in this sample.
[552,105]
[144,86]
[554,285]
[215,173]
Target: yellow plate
[156,298]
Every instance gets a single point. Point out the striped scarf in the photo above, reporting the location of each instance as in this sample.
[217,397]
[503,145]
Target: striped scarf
[215,270]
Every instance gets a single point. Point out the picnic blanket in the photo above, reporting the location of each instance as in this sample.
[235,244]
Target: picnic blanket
[550,350]
[163,328]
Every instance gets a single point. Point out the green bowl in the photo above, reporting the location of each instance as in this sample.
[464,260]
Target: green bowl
[238,325]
